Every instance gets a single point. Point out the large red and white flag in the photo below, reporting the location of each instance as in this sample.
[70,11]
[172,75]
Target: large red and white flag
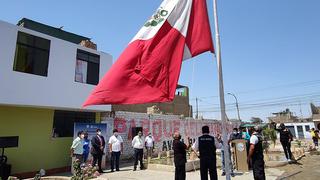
[148,69]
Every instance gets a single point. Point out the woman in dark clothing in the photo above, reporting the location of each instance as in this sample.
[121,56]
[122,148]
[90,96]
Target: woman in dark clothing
[285,139]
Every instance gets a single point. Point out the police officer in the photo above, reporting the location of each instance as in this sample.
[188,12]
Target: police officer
[256,154]
[206,145]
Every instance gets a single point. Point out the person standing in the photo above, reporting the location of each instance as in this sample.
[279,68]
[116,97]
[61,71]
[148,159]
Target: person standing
[77,147]
[97,151]
[86,147]
[219,140]
[235,135]
[138,145]
[315,137]
[285,139]
[180,159]
[115,148]
[256,154]
[206,145]
[149,144]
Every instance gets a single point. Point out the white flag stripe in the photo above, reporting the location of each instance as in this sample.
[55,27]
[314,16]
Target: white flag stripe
[179,18]
[149,32]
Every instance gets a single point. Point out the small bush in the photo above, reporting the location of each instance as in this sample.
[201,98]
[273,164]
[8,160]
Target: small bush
[83,171]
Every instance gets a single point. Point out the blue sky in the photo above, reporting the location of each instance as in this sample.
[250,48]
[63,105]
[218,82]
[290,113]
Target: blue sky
[270,48]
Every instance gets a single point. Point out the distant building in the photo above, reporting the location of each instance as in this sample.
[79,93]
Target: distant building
[179,106]
[299,127]
[300,130]
[283,117]
[315,115]
[45,77]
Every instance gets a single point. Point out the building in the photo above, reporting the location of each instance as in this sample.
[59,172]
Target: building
[45,77]
[299,127]
[179,106]
[315,115]
[300,130]
[283,117]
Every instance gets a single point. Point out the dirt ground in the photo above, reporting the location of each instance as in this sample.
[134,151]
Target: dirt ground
[308,168]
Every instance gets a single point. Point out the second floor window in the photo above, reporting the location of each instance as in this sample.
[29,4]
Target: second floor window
[87,67]
[32,54]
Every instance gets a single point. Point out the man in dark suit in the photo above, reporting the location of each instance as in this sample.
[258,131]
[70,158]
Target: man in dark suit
[180,159]
[97,150]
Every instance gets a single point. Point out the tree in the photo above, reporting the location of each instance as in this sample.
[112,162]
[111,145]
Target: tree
[256,120]
[270,134]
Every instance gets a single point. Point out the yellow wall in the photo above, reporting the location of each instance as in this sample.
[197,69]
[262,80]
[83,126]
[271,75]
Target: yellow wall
[36,147]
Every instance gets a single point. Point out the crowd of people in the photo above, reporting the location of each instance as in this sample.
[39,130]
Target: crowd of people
[81,148]
[204,146]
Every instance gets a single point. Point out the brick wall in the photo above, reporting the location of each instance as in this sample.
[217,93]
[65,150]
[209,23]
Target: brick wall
[161,126]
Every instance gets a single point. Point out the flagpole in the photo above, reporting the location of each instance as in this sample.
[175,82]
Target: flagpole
[221,93]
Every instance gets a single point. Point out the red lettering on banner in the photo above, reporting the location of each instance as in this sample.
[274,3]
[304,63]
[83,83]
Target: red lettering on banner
[120,125]
[145,123]
[157,130]
[192,126]
[218,128]
[176,126]
[213,128]
[132,125]
[198,128]
[167,128]
[186,128]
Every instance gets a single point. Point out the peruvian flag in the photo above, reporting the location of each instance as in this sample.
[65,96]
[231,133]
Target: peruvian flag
[148,69]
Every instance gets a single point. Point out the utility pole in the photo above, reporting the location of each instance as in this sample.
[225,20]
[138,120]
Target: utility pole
[197,113]
[237,105]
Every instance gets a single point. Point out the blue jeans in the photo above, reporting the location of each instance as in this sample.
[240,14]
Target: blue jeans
[85,157]
[223,161]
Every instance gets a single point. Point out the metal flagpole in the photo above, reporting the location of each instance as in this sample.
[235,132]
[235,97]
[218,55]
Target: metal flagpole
[221,92]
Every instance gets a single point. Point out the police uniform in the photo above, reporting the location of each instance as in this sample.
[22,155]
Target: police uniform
[257,157]
[207,149]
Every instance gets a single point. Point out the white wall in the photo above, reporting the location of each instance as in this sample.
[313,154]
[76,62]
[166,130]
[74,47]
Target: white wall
[58,90]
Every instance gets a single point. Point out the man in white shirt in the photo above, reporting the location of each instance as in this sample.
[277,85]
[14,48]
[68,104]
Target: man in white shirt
[115,148]
[138,144]
[149,143]
[77,146]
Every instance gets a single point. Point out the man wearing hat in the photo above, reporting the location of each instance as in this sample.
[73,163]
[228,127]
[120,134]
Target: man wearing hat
[256,154]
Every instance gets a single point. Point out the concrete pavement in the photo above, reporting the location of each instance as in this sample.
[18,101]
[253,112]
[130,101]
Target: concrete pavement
[126,173]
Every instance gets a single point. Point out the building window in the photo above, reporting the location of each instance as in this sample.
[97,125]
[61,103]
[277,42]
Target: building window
[32,54]
[307,128]
[300,132]
[291,129]
[87,67]
[63,122]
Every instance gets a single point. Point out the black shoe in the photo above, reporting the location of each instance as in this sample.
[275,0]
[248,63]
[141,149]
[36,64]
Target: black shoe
[134,169]
[223,174]
[112,170]
[100,171]
[142,168]
[117,169]
[232,174]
